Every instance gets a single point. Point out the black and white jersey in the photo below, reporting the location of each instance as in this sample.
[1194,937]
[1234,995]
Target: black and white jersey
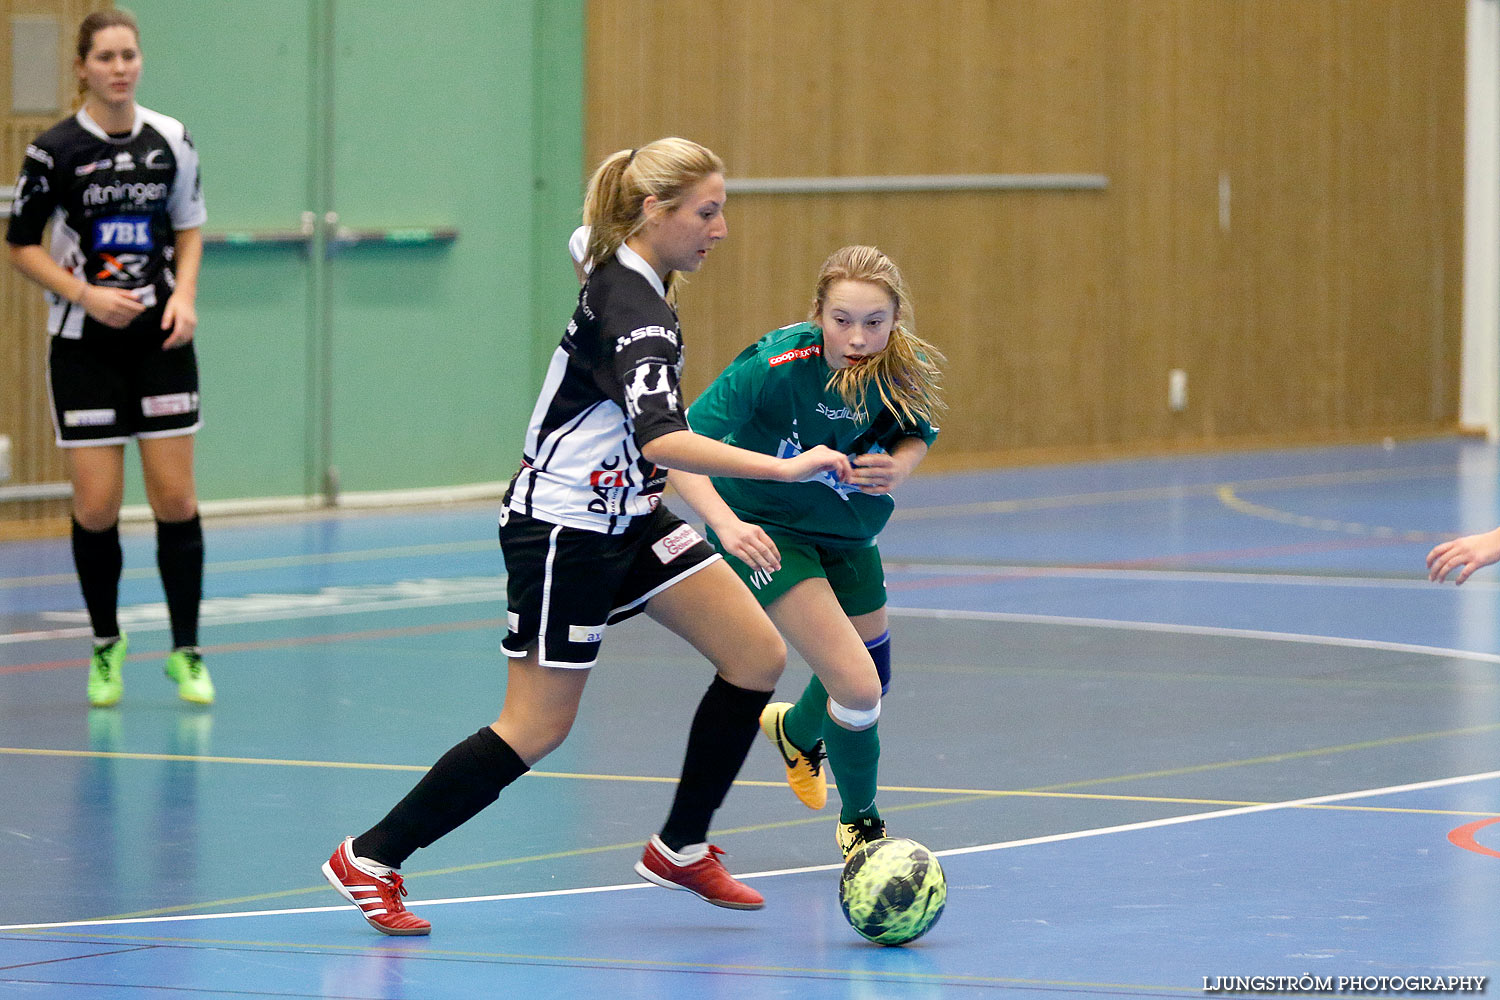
[611,387]
[116,203]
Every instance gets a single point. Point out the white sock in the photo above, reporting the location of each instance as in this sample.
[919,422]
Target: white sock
[688,855]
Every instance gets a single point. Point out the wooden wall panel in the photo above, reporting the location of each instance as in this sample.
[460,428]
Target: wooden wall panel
[1319,301]
[24,408]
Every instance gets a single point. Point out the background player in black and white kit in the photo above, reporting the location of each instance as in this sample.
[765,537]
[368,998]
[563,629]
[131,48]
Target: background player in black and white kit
[120,186]
[587,543]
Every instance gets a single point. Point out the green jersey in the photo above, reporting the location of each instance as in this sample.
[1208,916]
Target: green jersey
[774,399]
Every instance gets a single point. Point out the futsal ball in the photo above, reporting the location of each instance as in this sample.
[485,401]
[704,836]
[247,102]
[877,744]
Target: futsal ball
[892,890]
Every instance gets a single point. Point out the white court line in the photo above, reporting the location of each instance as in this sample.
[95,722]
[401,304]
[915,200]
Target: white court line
[1054,838]
[1179,576]
[1213,630]
[498,594]
[477,597]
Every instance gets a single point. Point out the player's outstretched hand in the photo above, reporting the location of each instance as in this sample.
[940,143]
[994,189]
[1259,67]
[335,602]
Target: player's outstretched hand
[749,544]
[814,462]
[1470,552]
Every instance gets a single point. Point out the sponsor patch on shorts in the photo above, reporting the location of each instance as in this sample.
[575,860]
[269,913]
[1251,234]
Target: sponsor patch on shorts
[512,621]
[171,405]
[88,418]
[585,633]
[672,545]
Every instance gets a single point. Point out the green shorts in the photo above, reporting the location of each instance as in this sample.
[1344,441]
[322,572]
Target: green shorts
[856,575]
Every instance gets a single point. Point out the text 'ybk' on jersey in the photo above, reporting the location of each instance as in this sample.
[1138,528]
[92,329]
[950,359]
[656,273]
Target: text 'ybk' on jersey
[612,386]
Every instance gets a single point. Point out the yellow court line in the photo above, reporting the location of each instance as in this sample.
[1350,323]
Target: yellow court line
[1234,502]
[1105,497]
[1060,791]
[1066,790]
[335,764]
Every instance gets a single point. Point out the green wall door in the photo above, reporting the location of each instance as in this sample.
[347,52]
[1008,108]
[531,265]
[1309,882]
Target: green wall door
[392,363]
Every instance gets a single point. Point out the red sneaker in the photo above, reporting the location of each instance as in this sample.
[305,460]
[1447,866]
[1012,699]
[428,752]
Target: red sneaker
[704,878]
[375,889]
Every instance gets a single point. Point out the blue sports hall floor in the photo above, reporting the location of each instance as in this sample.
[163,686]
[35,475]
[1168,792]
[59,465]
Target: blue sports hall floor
[1167,722]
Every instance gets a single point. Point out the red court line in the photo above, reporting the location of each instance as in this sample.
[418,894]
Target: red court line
[307,640]
[1464,837]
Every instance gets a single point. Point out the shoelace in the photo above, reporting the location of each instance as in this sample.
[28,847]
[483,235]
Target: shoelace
[815,757]
[101,663]
[398,886]
[194,664]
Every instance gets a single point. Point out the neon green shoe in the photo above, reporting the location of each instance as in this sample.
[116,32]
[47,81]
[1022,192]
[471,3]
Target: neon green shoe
[106,680]
[185,666]
[862,831]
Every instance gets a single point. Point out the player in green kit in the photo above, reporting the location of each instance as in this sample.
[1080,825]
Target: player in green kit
[856,378]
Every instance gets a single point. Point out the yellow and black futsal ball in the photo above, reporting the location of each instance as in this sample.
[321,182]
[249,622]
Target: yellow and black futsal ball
[892,890]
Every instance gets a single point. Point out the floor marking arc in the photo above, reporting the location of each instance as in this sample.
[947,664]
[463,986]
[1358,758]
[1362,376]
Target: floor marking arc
[1230,499]
[1054,838]
[1464,837]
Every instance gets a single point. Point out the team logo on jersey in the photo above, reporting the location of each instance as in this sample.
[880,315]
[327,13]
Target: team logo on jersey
[586,633]
[124,161]
[139,192]
[797,354]
[792,447]
[123,232]
[609,479]
[122,268]
[675,543]
[88,418]
[157,160]
[173,404]
[649,379]
[36,184]
[642,334]
[842,413]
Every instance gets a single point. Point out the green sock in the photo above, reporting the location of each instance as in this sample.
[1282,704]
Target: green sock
[854,759]
[804,720]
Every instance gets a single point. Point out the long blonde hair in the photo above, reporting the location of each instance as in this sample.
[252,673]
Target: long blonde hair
[907,373]
[613,207]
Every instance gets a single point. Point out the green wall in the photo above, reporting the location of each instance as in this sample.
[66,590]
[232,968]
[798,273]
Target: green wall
[401,365]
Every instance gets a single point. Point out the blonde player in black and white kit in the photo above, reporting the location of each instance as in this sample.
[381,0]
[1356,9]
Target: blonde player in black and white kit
[587,544]
[120,186]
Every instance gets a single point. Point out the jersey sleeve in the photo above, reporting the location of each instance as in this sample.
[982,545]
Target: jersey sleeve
[35,199]
[731,399]
[924,430]
[644,355]
[578,246]
[185,203]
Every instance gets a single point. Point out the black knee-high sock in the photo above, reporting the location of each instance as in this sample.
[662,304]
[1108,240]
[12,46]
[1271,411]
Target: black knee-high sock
[464,780]
[179,556]
[97,556]
[724,726]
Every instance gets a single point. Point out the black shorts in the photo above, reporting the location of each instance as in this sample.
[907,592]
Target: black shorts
[113,385]
[565,584]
